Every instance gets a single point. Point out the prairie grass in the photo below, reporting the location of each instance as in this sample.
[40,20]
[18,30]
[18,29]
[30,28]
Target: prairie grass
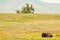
[29,26]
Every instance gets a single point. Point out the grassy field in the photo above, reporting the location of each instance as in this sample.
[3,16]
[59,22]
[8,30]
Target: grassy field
[29,26]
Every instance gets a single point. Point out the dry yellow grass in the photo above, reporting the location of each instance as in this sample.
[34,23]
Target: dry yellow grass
[28,25]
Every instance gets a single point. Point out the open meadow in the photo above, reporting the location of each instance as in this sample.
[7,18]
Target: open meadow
[29,26]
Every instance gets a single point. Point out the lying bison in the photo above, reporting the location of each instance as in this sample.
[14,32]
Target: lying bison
[46,35]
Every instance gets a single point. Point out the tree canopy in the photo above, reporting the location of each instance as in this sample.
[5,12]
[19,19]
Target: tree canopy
[27,9]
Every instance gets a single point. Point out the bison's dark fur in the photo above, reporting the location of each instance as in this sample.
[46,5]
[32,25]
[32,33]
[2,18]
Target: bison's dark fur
[46,35]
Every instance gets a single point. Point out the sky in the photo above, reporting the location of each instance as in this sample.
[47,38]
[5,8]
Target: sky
[9,6]
[52,1]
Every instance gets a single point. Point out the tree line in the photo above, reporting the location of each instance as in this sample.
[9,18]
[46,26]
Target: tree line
[26,9]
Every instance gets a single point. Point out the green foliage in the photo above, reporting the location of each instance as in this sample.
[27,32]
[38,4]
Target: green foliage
[17,11]
[24,10]
[31,9]
[27,9]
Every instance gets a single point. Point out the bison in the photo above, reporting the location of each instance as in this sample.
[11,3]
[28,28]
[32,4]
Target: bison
[46,35]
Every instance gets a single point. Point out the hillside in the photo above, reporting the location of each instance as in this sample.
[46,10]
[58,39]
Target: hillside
[28,25]
[28,17]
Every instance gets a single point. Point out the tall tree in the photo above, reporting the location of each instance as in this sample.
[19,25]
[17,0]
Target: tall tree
[31,9]
[27,9]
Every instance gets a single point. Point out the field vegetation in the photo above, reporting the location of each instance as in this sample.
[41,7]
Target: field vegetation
[29,26]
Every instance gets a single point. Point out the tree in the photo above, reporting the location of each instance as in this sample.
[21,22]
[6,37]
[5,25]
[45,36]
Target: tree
[31,9]
[27,9]
[17,11]
[24,10]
